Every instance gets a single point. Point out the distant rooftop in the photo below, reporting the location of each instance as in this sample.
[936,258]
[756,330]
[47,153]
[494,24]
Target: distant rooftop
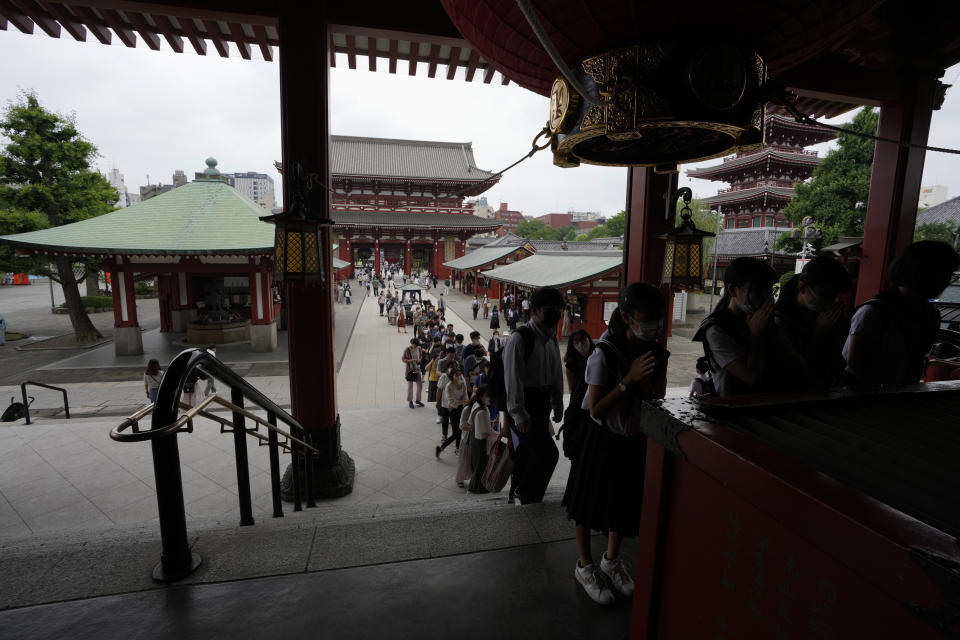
[386,157]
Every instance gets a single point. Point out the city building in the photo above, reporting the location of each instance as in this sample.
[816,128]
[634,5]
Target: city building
[557,220]
[255,186]
[509,220]
[481,208]
[932,196]
[153,190]
[115,178]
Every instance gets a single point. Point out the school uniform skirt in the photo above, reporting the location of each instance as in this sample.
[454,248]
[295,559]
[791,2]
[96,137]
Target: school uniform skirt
[605,487]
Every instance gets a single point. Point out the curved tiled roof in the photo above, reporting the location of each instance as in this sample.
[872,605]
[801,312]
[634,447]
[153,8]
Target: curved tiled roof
[202,217]
[418,159]
[412,220]
[718,170]
[948,211]
[784,193]
[481,257]
[557,270]
[749,242]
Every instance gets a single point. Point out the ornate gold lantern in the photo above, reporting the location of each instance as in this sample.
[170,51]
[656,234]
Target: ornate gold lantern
[683,258]
[298,244]
[658,105]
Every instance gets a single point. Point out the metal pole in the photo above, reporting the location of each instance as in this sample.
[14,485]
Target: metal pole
[53,305]
[26,405]
[274,467]
[716,253]
[243,470]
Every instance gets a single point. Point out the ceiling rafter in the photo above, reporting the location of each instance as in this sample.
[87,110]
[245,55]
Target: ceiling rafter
[71,23]
[113,20]
[41,17]
[139,23]
[189,28]
[16,17]
[169,32]
[260,35]
[240,39]
[94,24]
[215,35]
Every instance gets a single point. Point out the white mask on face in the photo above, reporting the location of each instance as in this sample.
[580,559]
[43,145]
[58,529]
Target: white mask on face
[647,331]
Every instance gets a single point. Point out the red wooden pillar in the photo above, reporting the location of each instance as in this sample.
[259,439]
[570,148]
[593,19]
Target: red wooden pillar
[894,184]
[376,257]
[127,340]
[438,257]
[407,261]
[304,86]
[263,328]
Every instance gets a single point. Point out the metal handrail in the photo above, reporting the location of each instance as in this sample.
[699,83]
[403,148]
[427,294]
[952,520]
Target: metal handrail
[177,559]
[26,405]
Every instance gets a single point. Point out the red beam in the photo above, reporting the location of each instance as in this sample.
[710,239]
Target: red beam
[393,56]
[15,16]
[260,34]
[112,19]
[169,33]
[351,51]
[372,53]
[189,28]
[216,37]
[95,24]
[145,30]
[472,64]
[72,24]
[454,62]
[414,57]
[240,38]
[488,74]
[41,17]
[434,60]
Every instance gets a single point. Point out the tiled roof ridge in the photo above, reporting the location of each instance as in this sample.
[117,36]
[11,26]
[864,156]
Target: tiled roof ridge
[401,141]
[745,161]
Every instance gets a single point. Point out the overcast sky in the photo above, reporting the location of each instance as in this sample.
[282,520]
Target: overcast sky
[151,112]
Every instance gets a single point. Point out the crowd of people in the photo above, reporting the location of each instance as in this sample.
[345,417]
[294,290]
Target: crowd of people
[512,388]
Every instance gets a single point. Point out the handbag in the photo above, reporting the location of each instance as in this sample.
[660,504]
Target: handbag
[499,468]
[463,461]
[411,376]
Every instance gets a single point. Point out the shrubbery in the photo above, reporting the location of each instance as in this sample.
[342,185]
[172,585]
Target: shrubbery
[94,302]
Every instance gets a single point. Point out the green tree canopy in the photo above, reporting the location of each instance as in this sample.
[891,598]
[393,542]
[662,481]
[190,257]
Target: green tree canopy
[945,231]
[45,170]
[535,230]
[613,228]
[836,196]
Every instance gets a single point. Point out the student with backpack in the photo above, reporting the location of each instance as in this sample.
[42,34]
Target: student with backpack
[533,382]
[579,348]
[891,334]
[738,337]
[605,488]
[414,376]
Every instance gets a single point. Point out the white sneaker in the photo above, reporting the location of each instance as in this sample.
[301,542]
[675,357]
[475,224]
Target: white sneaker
[619,573]
[438,420]
[594,583]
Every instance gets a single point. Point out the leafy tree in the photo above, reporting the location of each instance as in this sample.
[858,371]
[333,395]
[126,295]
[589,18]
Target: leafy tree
[45,168]
[836,196]
[17,221]
[613,228]
[535,230]
[945,231]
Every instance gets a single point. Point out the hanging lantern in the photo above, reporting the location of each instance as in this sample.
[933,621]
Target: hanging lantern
[298,241]
[683,258]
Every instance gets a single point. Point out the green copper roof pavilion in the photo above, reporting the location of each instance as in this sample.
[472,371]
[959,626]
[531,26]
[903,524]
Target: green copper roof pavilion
[206,216]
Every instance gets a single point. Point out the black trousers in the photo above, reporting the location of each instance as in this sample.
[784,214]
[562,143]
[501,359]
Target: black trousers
[537,453]
[453,416]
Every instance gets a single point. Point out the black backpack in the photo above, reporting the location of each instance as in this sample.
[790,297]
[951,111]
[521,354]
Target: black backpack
[496,382]
[15,411]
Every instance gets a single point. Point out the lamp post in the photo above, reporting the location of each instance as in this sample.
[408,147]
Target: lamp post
[683,258]
[716,253]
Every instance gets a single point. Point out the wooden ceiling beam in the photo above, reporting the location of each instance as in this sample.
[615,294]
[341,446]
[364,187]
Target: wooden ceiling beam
[240,38]
[189,28]
[434,60]
[351,51]
[472,64]
[394,47]
[260,34]
[414,57]
[372,54]
[94,24]
[41,17]
[3,23]
[169,32]
[112,20]
[140,25]
[488,74]
[16,17]
[71,23]
[454,62]
[215,35]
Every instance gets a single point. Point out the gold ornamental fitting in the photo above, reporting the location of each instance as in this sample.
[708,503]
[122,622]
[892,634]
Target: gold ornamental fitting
[564,102]
[659,105]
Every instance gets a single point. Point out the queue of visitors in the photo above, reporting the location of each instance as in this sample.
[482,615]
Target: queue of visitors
[511,388]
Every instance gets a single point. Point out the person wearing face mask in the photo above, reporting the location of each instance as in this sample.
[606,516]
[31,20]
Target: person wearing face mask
[496,343]
[738,337]
[605,487]
[809,316]
[533,381]
[579,348]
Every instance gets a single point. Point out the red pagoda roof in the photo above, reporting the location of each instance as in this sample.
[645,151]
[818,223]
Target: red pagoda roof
[736,165]
[778,122]
[755,193]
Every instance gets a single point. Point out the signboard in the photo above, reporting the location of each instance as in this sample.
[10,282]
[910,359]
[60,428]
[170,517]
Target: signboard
[608,307]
